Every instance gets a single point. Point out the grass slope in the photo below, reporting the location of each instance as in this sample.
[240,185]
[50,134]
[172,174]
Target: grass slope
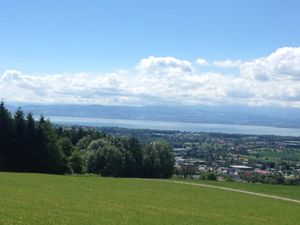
[287,191]
[31,199]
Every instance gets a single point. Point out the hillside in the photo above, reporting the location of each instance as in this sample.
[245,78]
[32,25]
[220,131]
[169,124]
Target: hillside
[53,199]
[287,191]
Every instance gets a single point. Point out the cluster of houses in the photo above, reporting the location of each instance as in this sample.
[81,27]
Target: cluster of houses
[196,167]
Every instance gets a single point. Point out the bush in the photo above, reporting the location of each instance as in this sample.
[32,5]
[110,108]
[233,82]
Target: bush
[209,176]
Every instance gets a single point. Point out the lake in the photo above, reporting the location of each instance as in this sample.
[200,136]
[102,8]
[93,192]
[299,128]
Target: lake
[182,126]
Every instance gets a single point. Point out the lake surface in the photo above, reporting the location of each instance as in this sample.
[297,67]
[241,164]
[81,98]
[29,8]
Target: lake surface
[182,126]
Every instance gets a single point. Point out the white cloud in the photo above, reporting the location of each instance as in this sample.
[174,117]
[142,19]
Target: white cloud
[284,63]
[273,79]
[10,74]
[228,63]
[163,65]
[202,62]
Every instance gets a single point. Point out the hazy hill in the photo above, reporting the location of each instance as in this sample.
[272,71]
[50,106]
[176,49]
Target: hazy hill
[267,116]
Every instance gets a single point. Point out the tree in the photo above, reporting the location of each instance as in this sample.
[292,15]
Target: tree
[106,158]
[30,143]
[18,156]
[96,156]
[37,146]
[135,149]
[84,142]
[158,160]
[113,161]
[51,157]
[187,170]
[6,135]
[166,158]
[66,146]
[151,164]
[76,162]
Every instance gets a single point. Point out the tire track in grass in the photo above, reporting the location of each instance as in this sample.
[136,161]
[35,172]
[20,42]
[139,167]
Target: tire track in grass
[229,189]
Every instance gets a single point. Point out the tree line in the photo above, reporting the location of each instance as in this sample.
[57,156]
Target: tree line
[29,145]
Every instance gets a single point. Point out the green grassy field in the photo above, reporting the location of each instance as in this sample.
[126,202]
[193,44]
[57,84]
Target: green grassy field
[28,199]
[287,191]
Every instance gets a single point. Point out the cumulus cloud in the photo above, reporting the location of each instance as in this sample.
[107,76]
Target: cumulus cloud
[283,64]
[269,80]
[202,62]
[164,65]
[228,63]
[11,74]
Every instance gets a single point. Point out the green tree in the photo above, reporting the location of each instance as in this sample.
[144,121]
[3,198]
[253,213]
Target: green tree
[84,142]
[166,158]
[31,143]
[18,156]
[135,157]
[96,155]
[113,161]
[158,160]
[151,163]
[6,136]
[51,157]
[66,146]
[76,162]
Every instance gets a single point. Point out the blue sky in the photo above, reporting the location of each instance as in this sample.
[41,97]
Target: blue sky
[150,52]
[71,36]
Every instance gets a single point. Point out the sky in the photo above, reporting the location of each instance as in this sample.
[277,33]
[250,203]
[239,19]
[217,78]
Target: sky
[150,52]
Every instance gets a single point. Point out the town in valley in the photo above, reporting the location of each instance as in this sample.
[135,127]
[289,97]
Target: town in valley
[228,157]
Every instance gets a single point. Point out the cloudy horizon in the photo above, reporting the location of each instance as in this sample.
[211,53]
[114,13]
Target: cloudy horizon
[272,80]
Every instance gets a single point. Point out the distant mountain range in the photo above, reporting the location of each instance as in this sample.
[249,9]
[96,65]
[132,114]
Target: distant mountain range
[246,115]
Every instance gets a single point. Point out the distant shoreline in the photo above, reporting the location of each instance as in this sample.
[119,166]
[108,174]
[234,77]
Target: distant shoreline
[180,126]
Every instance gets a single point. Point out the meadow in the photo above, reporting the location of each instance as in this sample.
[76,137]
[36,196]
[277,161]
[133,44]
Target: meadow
[288,191]
[31,199]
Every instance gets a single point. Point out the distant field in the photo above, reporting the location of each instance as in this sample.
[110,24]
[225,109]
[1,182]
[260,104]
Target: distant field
[272,156]
[36,199]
